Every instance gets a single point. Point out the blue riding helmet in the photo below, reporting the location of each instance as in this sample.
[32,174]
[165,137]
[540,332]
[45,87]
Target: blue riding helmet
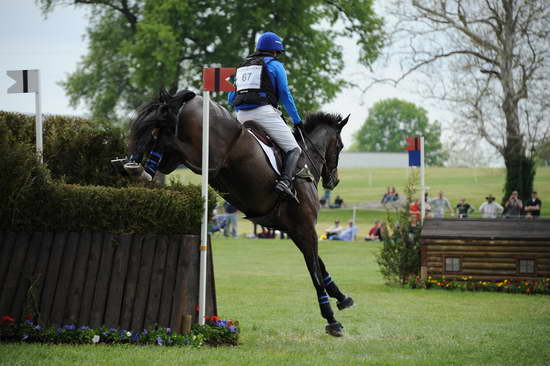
[269,41]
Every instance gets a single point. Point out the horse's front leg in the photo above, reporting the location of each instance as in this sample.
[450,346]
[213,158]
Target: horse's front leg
[343,301]
[308,247]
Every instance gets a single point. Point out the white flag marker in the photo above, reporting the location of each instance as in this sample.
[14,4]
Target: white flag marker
[28,81]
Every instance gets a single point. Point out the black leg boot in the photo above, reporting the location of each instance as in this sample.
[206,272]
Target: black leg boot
[284,184]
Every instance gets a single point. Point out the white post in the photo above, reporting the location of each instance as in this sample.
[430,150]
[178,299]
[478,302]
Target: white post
[353,218]
[38,124]
[204,226]
[422,181]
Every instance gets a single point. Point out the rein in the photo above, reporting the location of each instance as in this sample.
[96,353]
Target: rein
[316,150]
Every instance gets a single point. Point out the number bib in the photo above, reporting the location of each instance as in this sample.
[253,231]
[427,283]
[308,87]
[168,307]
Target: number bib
[248,77]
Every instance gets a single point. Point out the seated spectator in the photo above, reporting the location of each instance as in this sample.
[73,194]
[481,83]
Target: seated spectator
[348,234]
[386,197]
[533,206]
[463,209]
[390,196]
[338,202]
[490,209]
[334,230]
[394,194]
[323,202]
[375,233]
[513,206]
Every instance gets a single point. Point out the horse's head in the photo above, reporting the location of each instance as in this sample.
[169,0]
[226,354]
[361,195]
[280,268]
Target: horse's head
[332,154]
[155,129]
[325,130]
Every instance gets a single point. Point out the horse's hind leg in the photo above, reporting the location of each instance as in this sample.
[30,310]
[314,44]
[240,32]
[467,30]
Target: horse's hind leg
[343,301]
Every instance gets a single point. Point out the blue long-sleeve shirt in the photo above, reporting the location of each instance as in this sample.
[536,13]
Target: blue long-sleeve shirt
[277,74]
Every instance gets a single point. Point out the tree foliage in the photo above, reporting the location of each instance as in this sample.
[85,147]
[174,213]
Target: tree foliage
[491,61]
[138,46]
[390,122]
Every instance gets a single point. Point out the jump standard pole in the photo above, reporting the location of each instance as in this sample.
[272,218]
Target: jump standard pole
[214,79]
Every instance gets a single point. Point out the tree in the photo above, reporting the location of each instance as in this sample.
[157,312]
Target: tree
[138,46]
[491,61]
[390,122]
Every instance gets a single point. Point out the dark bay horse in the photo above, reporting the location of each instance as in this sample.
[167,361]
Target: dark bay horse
[240,172]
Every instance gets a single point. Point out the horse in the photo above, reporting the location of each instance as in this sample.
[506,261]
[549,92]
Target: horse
[239,171]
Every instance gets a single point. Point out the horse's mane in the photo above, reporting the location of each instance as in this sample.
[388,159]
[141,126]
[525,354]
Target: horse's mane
[159,113]
[313,120]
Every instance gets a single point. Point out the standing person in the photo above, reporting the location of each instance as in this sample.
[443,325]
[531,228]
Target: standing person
[261,83]
[533,205]
[513,206]
[415,209]
[463,209]
[230,220]
[439,205]
[490,209]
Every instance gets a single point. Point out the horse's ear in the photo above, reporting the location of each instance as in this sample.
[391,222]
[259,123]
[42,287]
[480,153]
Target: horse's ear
[343,122]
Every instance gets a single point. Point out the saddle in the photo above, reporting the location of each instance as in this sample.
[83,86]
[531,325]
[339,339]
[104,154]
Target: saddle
[273,153]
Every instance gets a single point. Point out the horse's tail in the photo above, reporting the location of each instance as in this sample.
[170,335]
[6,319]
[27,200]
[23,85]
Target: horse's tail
[159,113]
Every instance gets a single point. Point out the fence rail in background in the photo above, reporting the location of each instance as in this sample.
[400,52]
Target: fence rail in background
[95,279]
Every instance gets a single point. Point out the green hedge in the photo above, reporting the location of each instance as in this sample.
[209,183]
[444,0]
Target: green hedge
[75,149]
[33,201]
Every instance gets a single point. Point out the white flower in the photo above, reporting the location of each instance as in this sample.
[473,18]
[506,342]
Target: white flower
[95,339]
[128,334]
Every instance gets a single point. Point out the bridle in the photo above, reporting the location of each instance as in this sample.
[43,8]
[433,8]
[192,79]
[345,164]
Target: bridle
[306,140]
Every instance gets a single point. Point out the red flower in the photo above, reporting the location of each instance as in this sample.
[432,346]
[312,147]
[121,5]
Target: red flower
[28,317]
[7,319]
[215,318]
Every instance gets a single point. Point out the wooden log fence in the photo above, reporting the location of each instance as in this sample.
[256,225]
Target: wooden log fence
[100,279]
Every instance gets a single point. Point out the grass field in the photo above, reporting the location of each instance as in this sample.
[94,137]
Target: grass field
[264,284]
[366,185]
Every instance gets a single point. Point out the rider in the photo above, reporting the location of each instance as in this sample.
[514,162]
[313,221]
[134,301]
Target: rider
[261,83]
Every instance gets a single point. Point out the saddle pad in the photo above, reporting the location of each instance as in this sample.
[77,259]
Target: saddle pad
[268,153]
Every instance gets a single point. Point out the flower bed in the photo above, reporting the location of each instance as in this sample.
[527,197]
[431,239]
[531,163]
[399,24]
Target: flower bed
[215,332]
[467,283]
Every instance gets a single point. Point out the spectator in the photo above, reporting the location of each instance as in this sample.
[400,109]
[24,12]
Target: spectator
[334,230]
[375,233]
[230,220]
[533,206]
[490,209]
[348,234]
[414,209]
[338,202]
[513,206]
[326,196]
[463,209]
[439,205]
[427,206]
[390,196]
[386,196]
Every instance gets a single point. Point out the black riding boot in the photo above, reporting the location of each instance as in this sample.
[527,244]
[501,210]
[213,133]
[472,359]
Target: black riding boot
[284,184]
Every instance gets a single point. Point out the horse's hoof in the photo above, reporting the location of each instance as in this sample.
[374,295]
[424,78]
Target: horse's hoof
[135,170]
[335,329]
[346,303]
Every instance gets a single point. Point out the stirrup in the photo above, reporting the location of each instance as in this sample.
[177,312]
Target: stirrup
[285,189]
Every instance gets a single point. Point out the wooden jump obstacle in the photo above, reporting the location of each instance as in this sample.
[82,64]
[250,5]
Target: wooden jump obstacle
[99,279]
[486,249]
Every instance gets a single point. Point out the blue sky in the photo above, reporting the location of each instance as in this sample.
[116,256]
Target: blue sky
[55,45]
